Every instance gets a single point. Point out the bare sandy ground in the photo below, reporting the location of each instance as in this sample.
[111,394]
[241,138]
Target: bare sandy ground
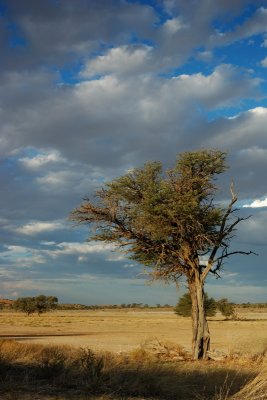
[125,330]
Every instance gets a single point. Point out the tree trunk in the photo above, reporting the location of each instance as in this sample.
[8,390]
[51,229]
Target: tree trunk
[201,334]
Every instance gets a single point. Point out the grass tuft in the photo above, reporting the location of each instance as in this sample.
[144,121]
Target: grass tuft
[256,389]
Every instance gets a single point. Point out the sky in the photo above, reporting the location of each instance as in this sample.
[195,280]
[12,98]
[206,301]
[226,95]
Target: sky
[91,88]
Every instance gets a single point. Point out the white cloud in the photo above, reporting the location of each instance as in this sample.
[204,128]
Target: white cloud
[255,153]
[257,203]
[246,129]
[35,227]
[128,114]
[69,179]
[24,286]
[219,89]
[174,25]
[264,62]
[26,256]
[254,25]
[51,179]
[205,56]
[115,257]
[81,248]
[41,160]
[120,61]
[22,257]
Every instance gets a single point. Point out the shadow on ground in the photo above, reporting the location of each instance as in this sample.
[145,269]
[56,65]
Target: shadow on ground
[119,379]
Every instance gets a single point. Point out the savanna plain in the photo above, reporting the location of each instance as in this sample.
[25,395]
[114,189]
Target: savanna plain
[130,354]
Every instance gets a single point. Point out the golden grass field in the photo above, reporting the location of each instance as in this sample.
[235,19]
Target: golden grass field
[125,330]
[105,358]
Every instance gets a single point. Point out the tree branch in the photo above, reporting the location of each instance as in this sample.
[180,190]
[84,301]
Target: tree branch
[221,234]
[247,253]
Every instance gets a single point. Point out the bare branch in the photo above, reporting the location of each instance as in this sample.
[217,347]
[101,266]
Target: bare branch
[221,234]
[233,194]
[231,227]
[247,253]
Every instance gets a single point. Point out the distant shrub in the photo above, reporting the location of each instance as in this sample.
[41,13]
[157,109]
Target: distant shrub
[184,306]
[226,308]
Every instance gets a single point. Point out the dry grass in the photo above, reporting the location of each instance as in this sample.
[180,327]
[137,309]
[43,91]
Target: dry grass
[255,389]
[27,369]
[125,330]
[41,366]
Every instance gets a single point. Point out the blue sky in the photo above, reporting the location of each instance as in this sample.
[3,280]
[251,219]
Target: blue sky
[92,88]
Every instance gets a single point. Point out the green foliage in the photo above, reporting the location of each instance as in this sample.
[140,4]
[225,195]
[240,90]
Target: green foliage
[210,306]
[184,306]
[226,308]
[45,303]
[25,304]
[39,304]
[164,220]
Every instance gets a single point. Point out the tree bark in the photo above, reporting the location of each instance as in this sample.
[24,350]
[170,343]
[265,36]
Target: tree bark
[201,334]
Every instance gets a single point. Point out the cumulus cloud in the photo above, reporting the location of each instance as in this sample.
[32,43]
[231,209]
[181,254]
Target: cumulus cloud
[254,25]
[220,88]
[137,111]
[21,256]
[264,62]
[205,56]
[257,203]
[63,30]
[247,128]
[254,153]
[174,25]
[35,227]
[124,60]
[82,248]
[27,256]
[41,160]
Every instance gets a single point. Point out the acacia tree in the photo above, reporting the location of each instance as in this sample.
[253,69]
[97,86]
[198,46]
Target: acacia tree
[168,221]
[25,304]
[39,304]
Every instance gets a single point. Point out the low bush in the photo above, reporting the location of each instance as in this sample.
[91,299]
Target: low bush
[184,306]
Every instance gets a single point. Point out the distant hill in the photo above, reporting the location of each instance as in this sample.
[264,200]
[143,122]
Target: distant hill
[6,303]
